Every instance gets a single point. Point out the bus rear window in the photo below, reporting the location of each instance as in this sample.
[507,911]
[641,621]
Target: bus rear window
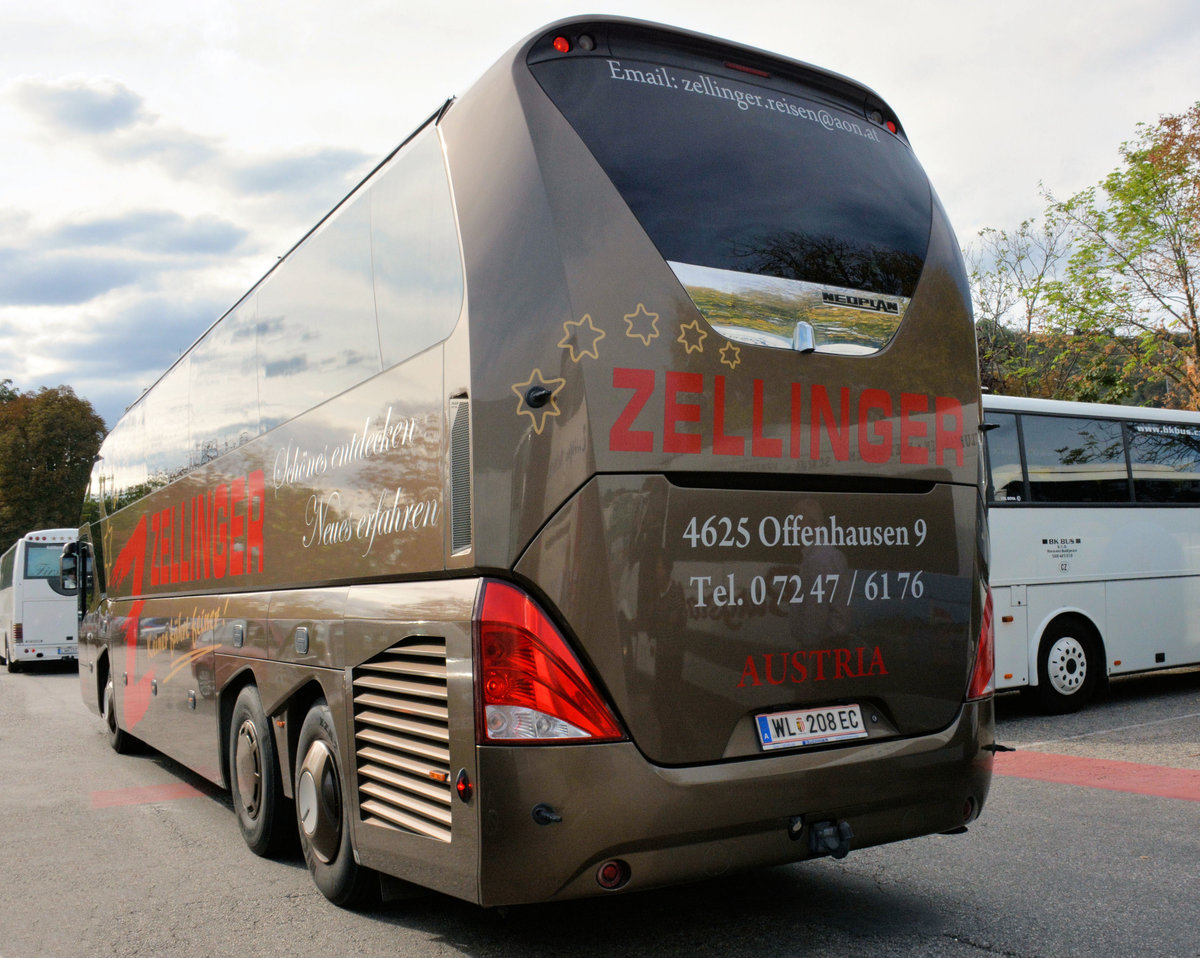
[786,218]
[42,561]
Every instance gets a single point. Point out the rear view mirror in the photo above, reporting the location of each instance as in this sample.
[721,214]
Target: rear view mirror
[68,566]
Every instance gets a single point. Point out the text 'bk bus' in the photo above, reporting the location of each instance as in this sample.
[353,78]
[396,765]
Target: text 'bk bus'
[589,502]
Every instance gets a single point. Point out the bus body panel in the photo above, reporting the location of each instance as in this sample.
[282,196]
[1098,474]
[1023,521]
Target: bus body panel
[734,603]
[49,629]
[411,745]
[634,373]
[672,824]
[688,511]
[1013,657]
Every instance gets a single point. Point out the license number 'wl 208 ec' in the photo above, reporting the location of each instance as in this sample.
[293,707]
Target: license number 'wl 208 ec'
[810,726]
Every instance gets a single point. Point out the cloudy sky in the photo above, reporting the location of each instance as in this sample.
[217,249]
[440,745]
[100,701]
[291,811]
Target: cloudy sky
[156,157]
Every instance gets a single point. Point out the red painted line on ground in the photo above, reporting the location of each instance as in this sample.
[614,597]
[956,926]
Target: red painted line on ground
[145,795]
[1159,780]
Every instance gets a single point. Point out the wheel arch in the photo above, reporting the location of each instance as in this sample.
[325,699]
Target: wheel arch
[1059,618]
[228,697]
[287,739]
[103,666]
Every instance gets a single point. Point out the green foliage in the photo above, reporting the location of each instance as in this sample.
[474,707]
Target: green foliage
[1100,302]
[48,442]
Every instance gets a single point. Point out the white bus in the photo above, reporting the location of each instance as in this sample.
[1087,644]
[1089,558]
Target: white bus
[1094,514]
[38,615]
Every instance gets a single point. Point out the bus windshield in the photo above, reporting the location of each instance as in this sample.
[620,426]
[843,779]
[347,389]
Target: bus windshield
[772,207]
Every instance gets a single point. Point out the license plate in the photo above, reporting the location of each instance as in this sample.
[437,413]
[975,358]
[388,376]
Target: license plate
[835,723]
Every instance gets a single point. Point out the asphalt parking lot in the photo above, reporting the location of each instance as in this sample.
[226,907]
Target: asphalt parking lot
[1088,846]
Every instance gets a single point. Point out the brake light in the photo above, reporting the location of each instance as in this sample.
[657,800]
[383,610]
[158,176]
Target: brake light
[18,632]
[983,677]
[530,686]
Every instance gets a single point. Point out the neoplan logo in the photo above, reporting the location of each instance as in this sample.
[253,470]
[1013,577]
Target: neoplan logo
[861,302]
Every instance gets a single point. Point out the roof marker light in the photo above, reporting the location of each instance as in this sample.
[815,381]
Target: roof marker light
[745,69]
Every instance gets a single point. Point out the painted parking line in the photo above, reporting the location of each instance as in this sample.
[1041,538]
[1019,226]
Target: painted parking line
[148,794]
[1182,783]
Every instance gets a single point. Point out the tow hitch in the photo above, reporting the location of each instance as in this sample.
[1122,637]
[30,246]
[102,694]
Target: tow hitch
[830,838]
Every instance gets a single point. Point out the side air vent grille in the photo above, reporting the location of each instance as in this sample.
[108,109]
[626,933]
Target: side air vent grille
[460,474]
[402,738]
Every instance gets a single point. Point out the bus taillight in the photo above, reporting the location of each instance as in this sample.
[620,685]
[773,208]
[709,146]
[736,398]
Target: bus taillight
[983,678]
[530,686]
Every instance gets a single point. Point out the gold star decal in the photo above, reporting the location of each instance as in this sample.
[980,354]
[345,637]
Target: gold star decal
[731,355]
[642,325]
[591,334]
[692,337]
[536,398]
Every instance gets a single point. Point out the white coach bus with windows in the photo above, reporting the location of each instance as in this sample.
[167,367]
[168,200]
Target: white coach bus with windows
[38,618]
[1094,513]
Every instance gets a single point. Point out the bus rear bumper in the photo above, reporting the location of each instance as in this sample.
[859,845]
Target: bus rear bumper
[667,825]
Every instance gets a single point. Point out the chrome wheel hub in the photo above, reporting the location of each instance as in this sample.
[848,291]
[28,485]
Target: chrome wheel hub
[248,767]
[319,801]
[1066,665]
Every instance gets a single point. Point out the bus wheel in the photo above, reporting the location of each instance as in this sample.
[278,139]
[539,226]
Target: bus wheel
[323,816]
[1068,667]
[254,780]
[121,741]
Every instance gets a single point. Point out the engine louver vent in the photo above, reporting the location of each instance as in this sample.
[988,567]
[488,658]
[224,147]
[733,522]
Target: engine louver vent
[402,738]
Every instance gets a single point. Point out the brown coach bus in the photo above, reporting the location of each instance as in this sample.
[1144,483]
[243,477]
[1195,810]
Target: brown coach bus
[589,502]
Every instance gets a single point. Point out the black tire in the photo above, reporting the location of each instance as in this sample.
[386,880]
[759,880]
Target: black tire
[323,815]
[1069,666]
[8,659]
[121,741]
[255,782]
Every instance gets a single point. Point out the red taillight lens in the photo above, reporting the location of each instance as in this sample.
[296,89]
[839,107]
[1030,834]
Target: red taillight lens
[562,44]
[529,684]
[983,678]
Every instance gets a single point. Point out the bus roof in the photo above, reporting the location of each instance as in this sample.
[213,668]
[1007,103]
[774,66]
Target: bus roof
[1060,407]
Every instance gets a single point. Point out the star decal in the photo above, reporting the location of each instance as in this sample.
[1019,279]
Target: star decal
[537,398]
[692,337]
[731,355]
[576,330]
[642,325]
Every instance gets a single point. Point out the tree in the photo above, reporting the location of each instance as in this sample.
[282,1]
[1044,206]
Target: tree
[1131,279]
[48,442]
[1011,274]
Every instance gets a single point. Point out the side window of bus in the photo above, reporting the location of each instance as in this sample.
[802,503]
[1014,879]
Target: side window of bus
[414,249]
[1075,459]
[1005,481]
[316,318]
[6,569]
[223,387]
[1166,462]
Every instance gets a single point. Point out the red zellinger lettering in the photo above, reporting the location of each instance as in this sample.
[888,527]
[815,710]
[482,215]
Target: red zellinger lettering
[215,534]
[821,423]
